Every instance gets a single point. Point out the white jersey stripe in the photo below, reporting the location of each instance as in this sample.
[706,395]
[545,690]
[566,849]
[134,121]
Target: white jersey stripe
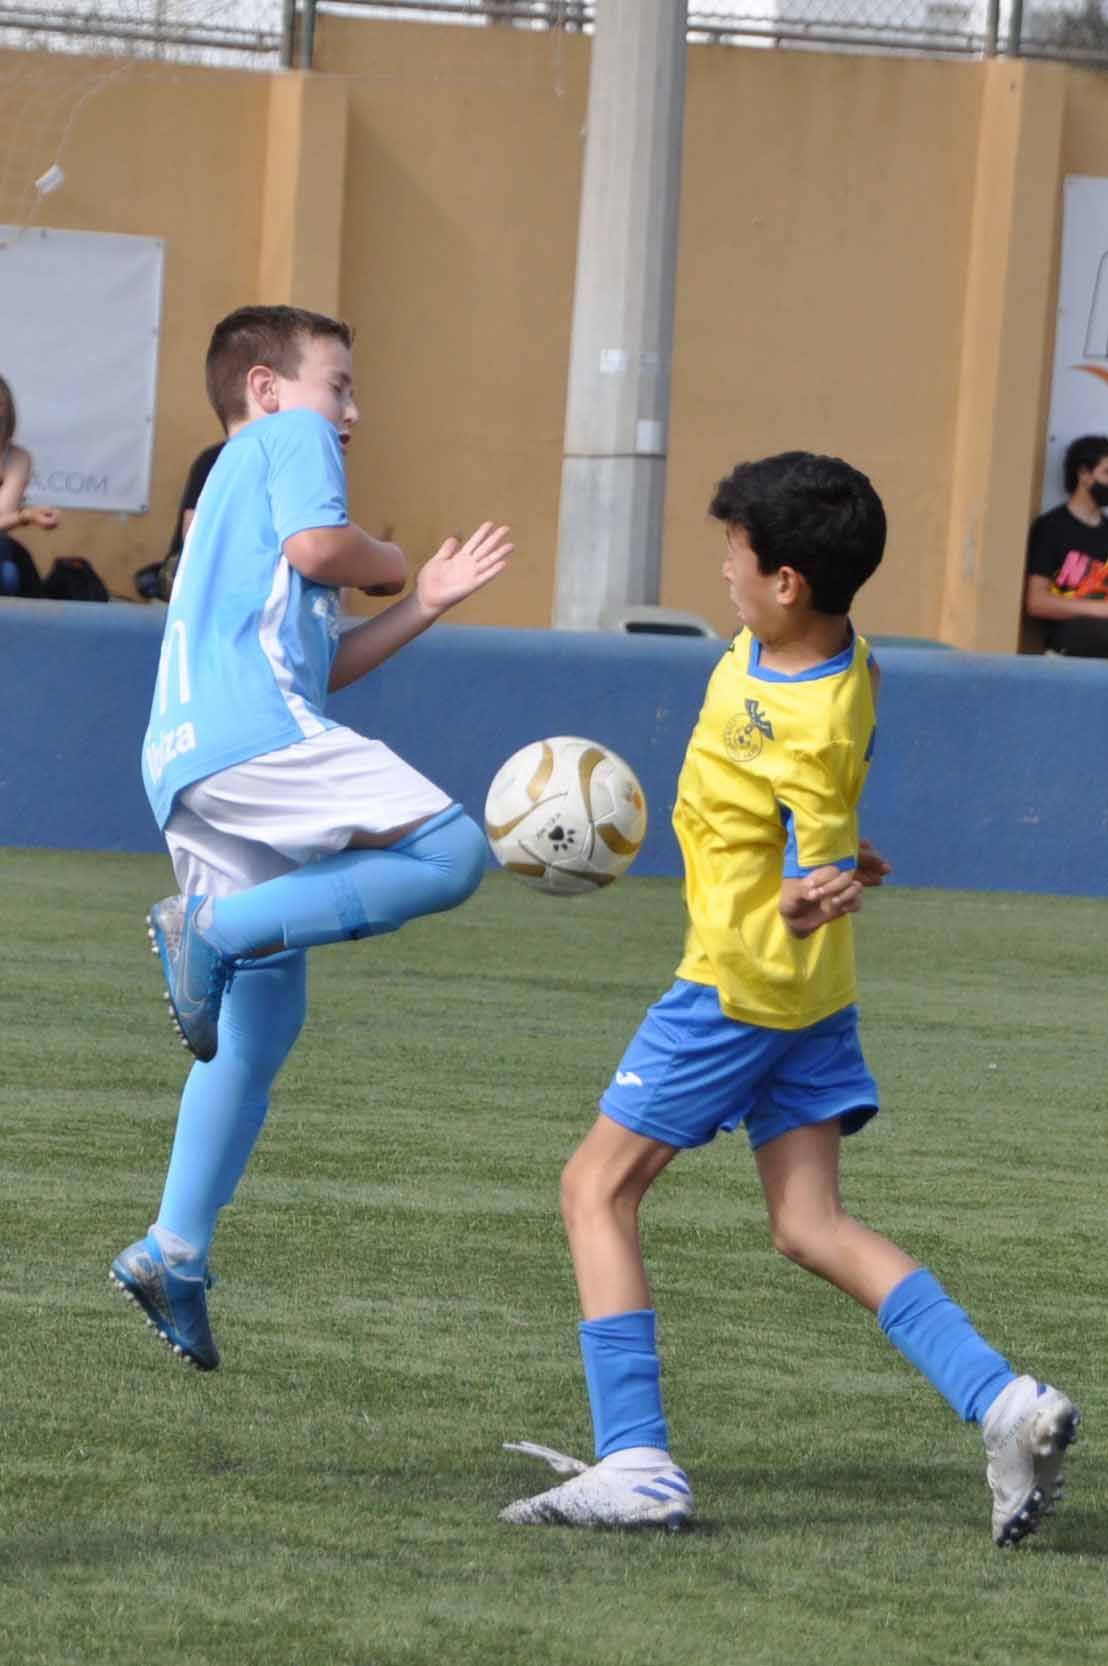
[269,635]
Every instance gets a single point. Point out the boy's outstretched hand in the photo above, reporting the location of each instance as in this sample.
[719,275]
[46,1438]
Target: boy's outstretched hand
[456,570]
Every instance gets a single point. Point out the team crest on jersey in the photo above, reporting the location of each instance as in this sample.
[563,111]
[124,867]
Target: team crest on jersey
[747,732]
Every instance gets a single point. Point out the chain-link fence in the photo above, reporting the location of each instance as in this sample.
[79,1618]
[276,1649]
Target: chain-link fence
[1075,29]
[267,33]
[245,33]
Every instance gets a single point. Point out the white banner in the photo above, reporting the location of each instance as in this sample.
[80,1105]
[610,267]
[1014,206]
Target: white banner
[80,314]
[1079,389]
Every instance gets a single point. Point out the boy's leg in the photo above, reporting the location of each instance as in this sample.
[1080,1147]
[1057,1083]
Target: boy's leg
[168,1278]
[357,893]
[222,1111]
[358,842]
[634,1482]
[799,1172]
[224,1104]
[1026,1425]
[360,892]
[687,1073]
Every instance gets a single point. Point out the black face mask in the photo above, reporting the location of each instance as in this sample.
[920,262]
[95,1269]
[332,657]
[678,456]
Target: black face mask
[1099,493]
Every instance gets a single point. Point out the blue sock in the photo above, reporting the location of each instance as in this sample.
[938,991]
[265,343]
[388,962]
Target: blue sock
[624,1380]
[224,1103]
[935,1336]
[357,893]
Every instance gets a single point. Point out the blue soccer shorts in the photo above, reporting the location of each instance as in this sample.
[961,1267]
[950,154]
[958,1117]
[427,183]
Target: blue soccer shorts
[691,1071]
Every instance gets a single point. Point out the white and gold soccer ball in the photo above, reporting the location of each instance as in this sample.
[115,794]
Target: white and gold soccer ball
[565,815]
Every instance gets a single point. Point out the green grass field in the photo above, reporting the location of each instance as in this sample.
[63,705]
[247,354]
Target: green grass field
[395,1301]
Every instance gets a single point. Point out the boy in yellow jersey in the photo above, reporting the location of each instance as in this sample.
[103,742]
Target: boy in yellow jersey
[760,1027]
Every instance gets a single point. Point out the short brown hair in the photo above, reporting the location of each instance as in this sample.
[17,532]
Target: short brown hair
[7,417]
[273,336]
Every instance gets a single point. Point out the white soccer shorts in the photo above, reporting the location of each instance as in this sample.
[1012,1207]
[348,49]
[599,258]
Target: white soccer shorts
[273,813]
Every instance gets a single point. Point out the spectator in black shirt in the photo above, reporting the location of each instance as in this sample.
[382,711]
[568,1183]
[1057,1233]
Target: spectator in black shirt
[1067,557]
[157,579]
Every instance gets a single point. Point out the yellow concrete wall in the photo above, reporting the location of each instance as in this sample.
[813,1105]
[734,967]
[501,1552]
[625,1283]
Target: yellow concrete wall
[825,231]
[867,266]
[998,441]
[826,212]
[175,153]
[464,157]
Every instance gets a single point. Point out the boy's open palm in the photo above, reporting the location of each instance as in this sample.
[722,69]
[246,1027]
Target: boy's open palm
[456,570]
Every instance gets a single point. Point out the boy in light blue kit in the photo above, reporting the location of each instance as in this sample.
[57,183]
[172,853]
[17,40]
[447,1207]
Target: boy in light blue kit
[285,829]
[761,1027]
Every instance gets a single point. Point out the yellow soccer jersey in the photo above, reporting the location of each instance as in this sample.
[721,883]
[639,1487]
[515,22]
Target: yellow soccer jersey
[769,790]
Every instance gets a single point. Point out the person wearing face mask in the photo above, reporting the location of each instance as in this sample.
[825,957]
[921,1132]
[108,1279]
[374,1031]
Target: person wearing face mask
[1067,557]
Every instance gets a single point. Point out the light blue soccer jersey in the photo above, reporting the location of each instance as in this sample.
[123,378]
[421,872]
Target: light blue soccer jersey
[248,645]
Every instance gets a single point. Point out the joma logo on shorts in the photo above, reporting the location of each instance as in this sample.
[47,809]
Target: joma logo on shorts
[171,743]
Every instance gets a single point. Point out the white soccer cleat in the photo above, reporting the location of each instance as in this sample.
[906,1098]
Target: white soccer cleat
[604,1495]
[1027,1430]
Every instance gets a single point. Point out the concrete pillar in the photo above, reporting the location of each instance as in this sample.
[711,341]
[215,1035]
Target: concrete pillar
[300,259]
[998,440]
[613,474]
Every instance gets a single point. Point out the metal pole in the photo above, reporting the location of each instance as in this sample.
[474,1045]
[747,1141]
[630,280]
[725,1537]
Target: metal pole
[288,32]
[617,410]
[307,35]
[992,27]
[1015,29]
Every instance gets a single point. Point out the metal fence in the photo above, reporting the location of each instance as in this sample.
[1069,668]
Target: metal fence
[254,34]
[1066,29]
[267,33]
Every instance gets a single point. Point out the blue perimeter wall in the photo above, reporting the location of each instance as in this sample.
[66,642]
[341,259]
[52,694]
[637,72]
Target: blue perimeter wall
[987,773]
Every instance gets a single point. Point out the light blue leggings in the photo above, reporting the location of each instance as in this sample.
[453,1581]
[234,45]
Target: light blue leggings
[358,893]
[224,1103]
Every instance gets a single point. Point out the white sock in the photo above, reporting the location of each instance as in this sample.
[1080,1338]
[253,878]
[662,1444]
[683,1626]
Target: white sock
[638,1457]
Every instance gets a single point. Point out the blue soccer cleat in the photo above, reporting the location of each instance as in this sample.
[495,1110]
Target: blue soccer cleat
[175,1307]
[196,974]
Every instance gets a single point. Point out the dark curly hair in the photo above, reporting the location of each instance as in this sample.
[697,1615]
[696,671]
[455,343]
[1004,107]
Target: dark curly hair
[815,514]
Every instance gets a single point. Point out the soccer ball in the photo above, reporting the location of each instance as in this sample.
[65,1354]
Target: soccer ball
[565,815]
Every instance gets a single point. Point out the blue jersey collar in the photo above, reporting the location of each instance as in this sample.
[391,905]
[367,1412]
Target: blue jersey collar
[841,661]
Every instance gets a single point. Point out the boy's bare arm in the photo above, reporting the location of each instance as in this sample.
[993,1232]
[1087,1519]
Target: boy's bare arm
[14,512]
[31,514]
[455,571]
[341,555]
[13,485]
[1042,603]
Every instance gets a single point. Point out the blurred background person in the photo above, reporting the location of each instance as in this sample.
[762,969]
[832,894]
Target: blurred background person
[156,580]
[18,574]
[1067,557]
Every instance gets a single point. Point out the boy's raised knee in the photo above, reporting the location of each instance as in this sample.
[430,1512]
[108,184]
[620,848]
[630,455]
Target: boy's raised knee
[458,852]
[471,856]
